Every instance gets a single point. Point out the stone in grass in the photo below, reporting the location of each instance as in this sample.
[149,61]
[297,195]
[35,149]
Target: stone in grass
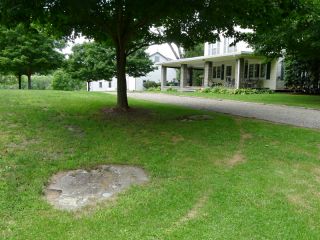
[191,118]
[75,189]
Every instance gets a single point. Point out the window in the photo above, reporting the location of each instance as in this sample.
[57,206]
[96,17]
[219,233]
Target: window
[263,69]
[256,70]
[222,72]
[156,59]
[100,84]
[109,84]
[214,72]
[246,65]
[218,72]
[268,71]
[228,71]
[251,70]
[227,48]
[214,48]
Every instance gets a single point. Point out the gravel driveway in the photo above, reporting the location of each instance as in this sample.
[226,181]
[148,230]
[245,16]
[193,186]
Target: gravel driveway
[296,116]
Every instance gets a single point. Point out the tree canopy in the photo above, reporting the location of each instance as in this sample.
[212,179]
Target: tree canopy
[296,37]
[130,24]
[95,61]
[26,50]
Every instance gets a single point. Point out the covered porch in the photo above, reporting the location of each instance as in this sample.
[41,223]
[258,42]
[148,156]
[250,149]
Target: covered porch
[242,70]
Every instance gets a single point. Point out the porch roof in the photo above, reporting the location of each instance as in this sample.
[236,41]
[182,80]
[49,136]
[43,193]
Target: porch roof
[198,62]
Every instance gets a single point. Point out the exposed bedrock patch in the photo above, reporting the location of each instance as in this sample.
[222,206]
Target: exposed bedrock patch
[75,189]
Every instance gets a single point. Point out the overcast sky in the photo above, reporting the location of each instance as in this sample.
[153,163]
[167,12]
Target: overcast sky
[164,49]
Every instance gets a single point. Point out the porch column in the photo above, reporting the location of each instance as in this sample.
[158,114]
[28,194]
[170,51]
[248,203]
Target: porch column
[190,75]
[163,77]
[207,74]
[183,75]
[239,72]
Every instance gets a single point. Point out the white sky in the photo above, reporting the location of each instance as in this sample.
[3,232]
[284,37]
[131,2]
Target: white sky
[164,49]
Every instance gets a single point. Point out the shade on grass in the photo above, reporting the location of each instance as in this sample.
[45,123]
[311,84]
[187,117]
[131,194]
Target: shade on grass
[225,178]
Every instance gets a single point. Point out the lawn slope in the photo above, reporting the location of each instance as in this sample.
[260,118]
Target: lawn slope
[225,178]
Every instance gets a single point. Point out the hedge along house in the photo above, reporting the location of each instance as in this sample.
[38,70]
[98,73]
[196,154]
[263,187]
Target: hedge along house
[229,66]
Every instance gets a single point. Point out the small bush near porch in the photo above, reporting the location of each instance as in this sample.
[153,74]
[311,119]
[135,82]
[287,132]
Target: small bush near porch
[240,91]
[219,177]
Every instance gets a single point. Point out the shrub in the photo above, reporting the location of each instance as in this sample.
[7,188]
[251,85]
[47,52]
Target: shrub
[63,81]
[154,89]
[241,91]
[170,89]
[150,84]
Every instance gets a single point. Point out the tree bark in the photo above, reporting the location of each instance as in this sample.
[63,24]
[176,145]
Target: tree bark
[19,81]
[29,82]
[122,100]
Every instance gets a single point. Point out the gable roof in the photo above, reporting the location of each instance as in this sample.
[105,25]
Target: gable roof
[158,53]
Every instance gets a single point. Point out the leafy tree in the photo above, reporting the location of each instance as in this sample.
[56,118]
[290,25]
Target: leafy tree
[91,62]
[95,61]
[296,36]
[129,25]
[195,51]
[26,51]
[64,81]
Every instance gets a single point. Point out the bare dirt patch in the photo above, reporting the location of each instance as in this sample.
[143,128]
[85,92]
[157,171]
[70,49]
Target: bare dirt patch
[76,189]
[194,212]
[191,118]
[298,201]
[177,139]
[75,129]
[131,113]
[237,158]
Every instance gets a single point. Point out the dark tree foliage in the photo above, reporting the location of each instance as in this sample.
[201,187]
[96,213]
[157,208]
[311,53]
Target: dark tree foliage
[26,51]
[95,61]
[128,24]
[296,36]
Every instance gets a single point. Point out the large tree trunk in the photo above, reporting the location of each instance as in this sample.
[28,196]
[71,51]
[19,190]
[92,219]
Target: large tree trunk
[19,81]
[29,81]
[122,100]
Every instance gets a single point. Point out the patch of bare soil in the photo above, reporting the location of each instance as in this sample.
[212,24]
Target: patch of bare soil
[238,157]
[75,129]
[191,118]
[193,213]
[131,113]
[176,139]
[76,189]
[299,201]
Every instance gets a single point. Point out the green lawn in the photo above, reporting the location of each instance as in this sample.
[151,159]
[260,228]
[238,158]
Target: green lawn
[290,99]
[226,178]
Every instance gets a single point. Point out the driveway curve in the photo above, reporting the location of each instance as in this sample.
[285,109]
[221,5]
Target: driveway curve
[296,116]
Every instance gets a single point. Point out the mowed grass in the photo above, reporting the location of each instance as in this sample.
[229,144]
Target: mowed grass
[289,99]
[225,178]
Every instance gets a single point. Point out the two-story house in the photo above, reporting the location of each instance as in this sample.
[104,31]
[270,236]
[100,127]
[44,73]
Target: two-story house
[227,65]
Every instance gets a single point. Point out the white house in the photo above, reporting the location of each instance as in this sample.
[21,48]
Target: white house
[136,84]
[229,66]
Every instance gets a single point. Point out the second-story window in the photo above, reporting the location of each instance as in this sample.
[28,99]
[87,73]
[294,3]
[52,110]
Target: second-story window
[227,48]
[214,48]
[156,59]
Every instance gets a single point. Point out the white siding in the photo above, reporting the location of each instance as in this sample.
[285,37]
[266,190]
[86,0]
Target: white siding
[156,74]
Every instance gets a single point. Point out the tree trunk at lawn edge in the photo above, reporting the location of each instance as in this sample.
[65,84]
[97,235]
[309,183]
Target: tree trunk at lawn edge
[29,82]
[122,100]
[19,81]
